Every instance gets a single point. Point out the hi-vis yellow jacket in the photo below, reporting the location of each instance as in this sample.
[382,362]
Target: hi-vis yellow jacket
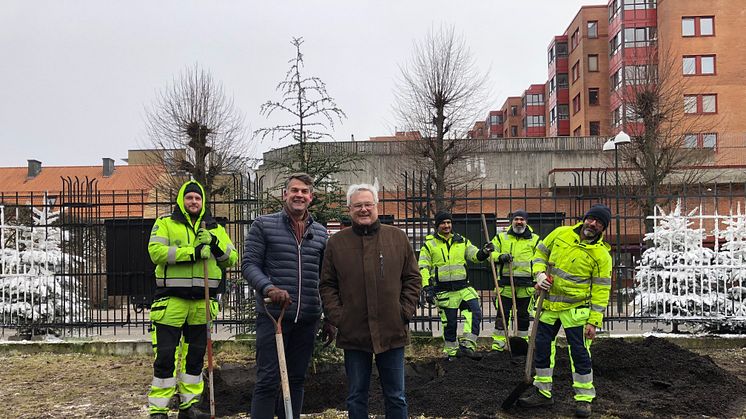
[179,272]
[444,259]
[581,271]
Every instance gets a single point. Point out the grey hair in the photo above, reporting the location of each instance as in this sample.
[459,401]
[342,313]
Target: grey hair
[353,189]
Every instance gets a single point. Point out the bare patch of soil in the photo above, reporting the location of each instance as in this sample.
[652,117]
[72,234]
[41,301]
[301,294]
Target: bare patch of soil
[652,378]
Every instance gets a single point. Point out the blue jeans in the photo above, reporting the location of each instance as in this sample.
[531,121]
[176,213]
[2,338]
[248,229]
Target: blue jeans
[390,364]
[298,338]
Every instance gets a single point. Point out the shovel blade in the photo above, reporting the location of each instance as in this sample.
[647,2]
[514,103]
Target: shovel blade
[518,346]
[515,394]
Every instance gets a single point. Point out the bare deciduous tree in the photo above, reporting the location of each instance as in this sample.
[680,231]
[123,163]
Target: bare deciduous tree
[440,94]
[653,112]
[313,112]
[195,129]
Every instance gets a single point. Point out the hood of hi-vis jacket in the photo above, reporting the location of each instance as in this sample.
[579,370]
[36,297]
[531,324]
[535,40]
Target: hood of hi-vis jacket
[183,210]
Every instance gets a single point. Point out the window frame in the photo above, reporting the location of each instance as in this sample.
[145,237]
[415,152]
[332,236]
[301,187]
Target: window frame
[576,105]
[590,67]
[597,124]
[695,104]
[592,34]
[575,72]
[697,70]
[697,26]
[591,91]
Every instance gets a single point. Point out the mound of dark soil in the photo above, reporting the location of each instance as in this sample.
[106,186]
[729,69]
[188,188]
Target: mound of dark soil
[651,378]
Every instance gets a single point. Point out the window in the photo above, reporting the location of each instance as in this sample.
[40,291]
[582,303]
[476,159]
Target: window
[592,29]
[576,71]
[613,9]
[616,117]
[690,141]
[593,96]
[534,99]
[575,39]
[576,104]
[615,81]
[698,65]
[534,121]
[592,62]
[552,85]
[561,49]
[639,37]
[563,112]
[697,104]
[639,4]
[576,132]
[706,140]
[594,128]
[615,43]
[552,116]
[550,55]
[494,135]
[709,140]
[493,120]
[698,26]
[562,81]
[513,110]
[513,130]
[639,74]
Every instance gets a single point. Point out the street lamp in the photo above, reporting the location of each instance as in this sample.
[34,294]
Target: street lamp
[613,144]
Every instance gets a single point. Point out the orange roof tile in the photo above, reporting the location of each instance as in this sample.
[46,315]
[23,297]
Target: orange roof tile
[125,178]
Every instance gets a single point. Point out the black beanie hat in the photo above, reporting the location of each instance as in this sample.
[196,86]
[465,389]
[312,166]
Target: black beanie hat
[520,213]
[193,187]
[442,216]
[600,212]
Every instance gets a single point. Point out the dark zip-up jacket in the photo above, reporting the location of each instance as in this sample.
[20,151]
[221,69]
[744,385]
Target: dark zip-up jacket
[274,256]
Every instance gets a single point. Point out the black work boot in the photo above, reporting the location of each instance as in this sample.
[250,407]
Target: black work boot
[159,416]
[582,409]
[193,413]
[535,399]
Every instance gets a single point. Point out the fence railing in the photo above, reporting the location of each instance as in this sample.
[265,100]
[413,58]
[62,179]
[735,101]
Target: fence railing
[77,263]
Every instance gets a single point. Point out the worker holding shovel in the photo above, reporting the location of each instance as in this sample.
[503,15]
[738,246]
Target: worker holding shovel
[189,249]
[573,265]
[514,251]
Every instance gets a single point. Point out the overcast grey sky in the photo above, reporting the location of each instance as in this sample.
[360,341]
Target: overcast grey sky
[76,76]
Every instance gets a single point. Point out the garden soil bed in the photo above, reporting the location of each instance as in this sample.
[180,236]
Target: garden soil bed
[650,378]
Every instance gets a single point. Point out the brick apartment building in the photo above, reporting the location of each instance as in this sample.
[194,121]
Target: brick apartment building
[609,47]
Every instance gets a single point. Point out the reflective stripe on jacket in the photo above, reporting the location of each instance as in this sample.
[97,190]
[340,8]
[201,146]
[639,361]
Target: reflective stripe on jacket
[581,271]
[448,257]
[179,272]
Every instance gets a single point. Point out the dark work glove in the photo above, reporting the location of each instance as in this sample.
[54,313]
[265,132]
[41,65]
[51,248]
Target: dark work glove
[429,294]
[327,333]
[505,258]
[485,251]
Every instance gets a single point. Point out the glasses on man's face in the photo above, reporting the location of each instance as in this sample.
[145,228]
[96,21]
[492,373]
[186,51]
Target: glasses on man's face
[360,205]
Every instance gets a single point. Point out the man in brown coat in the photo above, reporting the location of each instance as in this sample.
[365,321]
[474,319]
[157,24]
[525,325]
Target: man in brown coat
[370,285]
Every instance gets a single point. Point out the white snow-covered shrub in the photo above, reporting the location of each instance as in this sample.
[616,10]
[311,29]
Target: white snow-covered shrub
[34,289]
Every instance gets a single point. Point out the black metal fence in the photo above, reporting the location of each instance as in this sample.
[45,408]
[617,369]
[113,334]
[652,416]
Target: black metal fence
[98,278]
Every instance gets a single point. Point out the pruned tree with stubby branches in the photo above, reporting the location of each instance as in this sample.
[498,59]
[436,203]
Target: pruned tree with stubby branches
[661,159]
[194,129]
[440,94]
[311,117]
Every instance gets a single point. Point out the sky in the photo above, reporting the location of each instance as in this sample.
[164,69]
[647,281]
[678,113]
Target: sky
[76,77]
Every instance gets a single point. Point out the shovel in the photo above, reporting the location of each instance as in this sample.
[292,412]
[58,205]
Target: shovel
[528,378]
[497,288]
[208,320]
[281,361]
[518,344]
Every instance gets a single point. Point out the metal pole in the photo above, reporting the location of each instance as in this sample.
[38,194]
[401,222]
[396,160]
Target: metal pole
[618,257]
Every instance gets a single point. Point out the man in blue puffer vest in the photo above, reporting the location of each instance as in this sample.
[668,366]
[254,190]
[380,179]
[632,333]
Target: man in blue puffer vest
[281,261]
